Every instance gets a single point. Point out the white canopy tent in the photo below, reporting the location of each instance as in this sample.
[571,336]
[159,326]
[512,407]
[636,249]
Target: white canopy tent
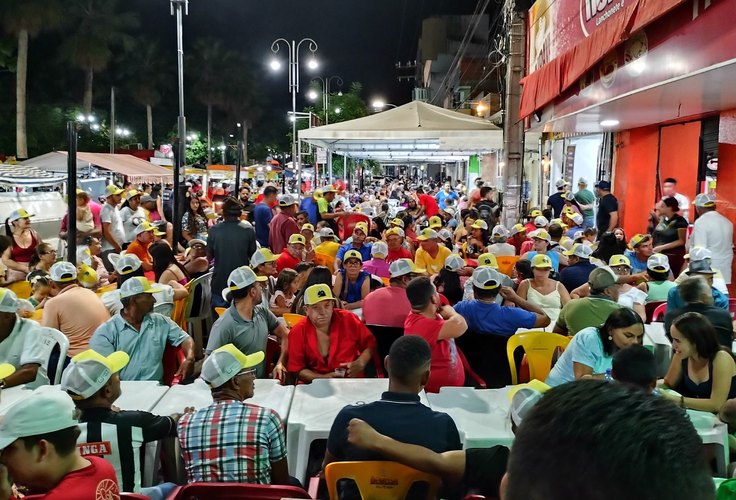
[416,132]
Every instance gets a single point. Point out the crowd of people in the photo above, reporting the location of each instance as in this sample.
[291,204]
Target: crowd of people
[422,282]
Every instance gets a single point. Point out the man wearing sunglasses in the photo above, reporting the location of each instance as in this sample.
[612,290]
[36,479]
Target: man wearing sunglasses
[231,441]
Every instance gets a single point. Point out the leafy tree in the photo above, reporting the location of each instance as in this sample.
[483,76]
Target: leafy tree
[147,79]
[99,27]
[25,19]
[243,99]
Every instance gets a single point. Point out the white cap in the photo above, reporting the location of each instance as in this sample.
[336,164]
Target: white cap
[577,218]
[46,410]
[580,250]
[501,231]
[379,249]
[454,262]
[658,262]
[487,278]
[401,267]
[89,371]
[21,213]
[699,253]
[444,234]
[138,285]
[326,232]
[261,256]
[541,221]
[522,402]
[63,272]
[705,200]
[242,277]
[8,301]
[226,362]
[126,264]
[450,211]
[561,183]
[287,200]
[583,180]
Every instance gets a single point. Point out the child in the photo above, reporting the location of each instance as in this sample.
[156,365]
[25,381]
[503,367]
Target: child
[378,265]
[286,287]
[40,290]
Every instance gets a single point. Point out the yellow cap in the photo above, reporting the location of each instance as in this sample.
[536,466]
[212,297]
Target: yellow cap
[352,254]
[361,226]
[296,239]
[87,275]
[535,213]
[113,190]
[427,234]
[317,293]
[132,194]
[393,230]
[541,234]
[619,260]
[435,222]
[487,260]
[6,370]
[535,384]
[308,227]
[137,285]
[261,256]
[114,362]
[638,239]
[397,222]
[480,224]
[541,261]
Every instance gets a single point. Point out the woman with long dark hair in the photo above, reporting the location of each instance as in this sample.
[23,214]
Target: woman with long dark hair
[24,240]
[43,258]
[194,221]
[609,246]
[702,371]
[165,266]
[590,352]
[669,235]
[448,281]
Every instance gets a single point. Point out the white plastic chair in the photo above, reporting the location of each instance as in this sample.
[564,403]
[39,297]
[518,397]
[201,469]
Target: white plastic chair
[164,308]
[50,337]
[195,318]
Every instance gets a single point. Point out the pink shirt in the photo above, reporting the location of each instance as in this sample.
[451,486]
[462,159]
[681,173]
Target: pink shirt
[379,267]
[386,307]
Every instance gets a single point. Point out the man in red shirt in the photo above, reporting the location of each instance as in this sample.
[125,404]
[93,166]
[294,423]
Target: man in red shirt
[439,325]
[293,254]
[330,342]
[427,204]
[139,246]
[396,250]
[38,439]
[389,306]
[283,225]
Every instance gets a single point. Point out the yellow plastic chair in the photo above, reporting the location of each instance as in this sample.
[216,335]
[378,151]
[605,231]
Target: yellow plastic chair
[539,348]
[292,319]
[21,289]
[379,480]
[108,288]
[220,311]
[37,315]
[506,264]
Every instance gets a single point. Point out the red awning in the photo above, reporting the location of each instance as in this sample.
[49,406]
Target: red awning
[135,169]
[549,81]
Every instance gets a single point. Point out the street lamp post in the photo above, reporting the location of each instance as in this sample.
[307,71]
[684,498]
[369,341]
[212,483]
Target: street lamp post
[179,8]
[293,47]
[72,137]
[326,107]
[378,105]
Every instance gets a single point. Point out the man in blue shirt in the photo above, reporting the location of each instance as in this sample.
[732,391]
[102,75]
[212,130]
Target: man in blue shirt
[642,250]
[490,325]
[263,214]
[698,268]
[446,194]
[359,234]
[309,205]
[578,268]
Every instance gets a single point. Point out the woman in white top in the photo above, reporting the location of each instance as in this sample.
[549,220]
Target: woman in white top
[132,214]
[542,291]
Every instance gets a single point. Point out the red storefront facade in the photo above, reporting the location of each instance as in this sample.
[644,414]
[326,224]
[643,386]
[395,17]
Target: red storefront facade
[658,74]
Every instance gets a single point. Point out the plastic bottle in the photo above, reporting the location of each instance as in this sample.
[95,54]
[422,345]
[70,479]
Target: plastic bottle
[608,375]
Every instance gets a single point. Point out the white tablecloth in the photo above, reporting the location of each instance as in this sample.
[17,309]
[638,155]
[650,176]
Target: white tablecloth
[482,416]
[268,393]
[315,407]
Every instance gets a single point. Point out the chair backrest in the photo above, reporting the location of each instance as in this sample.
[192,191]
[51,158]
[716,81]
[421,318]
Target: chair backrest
[204,294]
[659,312]
[732,306]
[236,491]
[651,307]
[379,480]
[164,308]
[346,224]
[172,358]
[50,337]
[506,264]
[469,373]
[220,311]
[21,289]
[539,348]
[292,319]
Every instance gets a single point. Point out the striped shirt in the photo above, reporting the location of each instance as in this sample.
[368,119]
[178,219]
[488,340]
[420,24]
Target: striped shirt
[231,441]
[117,437]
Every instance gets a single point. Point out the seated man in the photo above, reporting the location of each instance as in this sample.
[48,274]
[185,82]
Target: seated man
[431,255]
[142,333]
[360,232]
[593,310]
[93,382]
[577,427]
[579,267]
[74,310]
[439,325]
[698,297]
[139,246]
[487,260]
[293,254]
[331,342]
[38,439]
[20,345]
[490,325]
[701,268]
[635,365]
[389,306]
[230,440]
[248,321]
[399,413]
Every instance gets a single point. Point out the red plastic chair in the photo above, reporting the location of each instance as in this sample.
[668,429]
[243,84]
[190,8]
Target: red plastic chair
[236,491]
[651,307]
[732,306]
[479,382]
[173,357]
[346,224]
[659,311]
[133,496]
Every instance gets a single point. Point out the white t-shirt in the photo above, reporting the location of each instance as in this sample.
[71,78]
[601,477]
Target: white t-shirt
[23,346]
[502,249]
[715,232]
[111,215]
[631,297]
[131,219]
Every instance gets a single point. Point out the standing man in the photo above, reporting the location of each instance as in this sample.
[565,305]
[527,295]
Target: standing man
[447,194]
[113,233]
[607,217]
[586,201]
[263,214]
[283,225]
[486,207]
[325,211]
[245,201]
[230,244]
[669,190]
[714,232]
[556,202]
[309,205]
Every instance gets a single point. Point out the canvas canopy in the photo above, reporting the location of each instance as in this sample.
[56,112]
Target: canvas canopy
[413,133]
[135,169]
[24,176]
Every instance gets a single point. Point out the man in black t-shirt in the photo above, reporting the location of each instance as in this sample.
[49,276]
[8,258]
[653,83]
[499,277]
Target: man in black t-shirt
[606,219]
[488,210]
[556,201]
[93,382]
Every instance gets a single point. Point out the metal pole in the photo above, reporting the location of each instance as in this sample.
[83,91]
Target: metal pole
[180,8]
[112,120]
[71,192]
[238,164]
[345,168]
[209,135]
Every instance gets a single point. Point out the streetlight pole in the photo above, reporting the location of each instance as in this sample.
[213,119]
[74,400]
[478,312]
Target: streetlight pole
[293,47]
[326,108]
[71,192]
[179,8]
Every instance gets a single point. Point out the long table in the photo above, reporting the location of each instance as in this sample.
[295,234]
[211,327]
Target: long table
[315,407]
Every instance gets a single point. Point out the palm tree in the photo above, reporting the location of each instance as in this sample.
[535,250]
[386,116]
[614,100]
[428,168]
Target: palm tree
[99,28]
[24,19]
[208,62]
[146,78]
[243,99]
